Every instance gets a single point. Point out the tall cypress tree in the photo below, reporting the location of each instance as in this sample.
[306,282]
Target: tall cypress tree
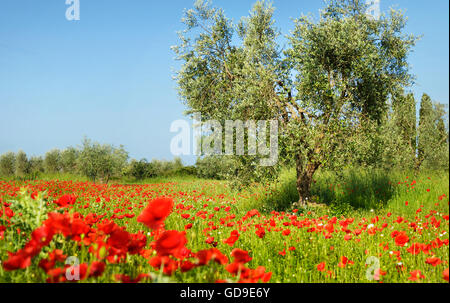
[425,129]
[433,137]
[405,120]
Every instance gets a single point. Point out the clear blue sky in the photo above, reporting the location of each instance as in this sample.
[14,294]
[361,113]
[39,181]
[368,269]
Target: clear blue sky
[109,75]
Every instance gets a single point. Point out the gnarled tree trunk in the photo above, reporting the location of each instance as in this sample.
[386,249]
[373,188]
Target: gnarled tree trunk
[304,180]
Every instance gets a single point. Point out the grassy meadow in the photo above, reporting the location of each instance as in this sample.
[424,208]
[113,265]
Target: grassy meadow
[361,227]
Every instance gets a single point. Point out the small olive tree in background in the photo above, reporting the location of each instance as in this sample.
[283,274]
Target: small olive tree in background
[52,161]
[101,162]
[138,169]
[142,169]
[8,164]
[22,168]
[215,167]
[433,140]
[69,160]
[36,166]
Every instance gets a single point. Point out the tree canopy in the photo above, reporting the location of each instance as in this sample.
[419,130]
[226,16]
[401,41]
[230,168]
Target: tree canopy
[336,71]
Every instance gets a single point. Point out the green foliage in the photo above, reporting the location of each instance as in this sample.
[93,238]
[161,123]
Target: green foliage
[336,72]
[433,137]
[367,189]
[22,164]
[69,160]
[190,170]
[101,161]
[52,161]
[36,166]
[92,160]
[399,141]
[8,164]
[284,193]
[158,168]
[140,170]
[296,266]
[33,211]
[215,167]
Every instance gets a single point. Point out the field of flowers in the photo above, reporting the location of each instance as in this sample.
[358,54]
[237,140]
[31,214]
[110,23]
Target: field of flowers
[203,231]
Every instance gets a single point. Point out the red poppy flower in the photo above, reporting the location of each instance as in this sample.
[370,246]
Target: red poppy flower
[42,235]
[415,248]
[347,237]
[171,243]
[253,276]
[240,256]
[260,232]
[377,273]
[128,279]
[209,240]
[66,200]
[204,256]
[344,262]
[119,239]
[321,266]
[234,236]
[156,212]
[96,269]
[401,239]
[433,261]
[416,275]
[186,266]
[19,260]
[286,232]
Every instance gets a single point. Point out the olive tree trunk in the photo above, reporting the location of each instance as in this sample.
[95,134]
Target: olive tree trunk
[304,180]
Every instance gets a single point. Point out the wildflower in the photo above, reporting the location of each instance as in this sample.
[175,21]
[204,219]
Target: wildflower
[156,212]
[321,266]
[416,275]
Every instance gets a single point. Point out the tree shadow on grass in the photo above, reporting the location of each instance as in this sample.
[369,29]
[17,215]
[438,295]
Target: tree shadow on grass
[359,189]
[354,189]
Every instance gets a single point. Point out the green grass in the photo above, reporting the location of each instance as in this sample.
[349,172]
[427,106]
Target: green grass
[360,195]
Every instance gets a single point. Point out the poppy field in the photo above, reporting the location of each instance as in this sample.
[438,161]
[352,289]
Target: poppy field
[204,231]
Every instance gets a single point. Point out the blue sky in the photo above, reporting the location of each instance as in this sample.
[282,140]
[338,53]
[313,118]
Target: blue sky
[109,75]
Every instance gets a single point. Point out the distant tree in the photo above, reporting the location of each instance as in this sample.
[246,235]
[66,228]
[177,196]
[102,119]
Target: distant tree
[215,167]
[177,164]
[36,165]
[69,160]
[117,160]
[103,162]
[52,161]
[405,126]
[440,157]
[8,164]
[22,165]
[138,169]
[443,139]
[433,138]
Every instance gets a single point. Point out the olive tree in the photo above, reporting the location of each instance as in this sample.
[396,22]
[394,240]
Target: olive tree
[8,164]
[52,161]
[336,71]
[432,135]
[22,164]
[69,159]
[36,165]
[101,161]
